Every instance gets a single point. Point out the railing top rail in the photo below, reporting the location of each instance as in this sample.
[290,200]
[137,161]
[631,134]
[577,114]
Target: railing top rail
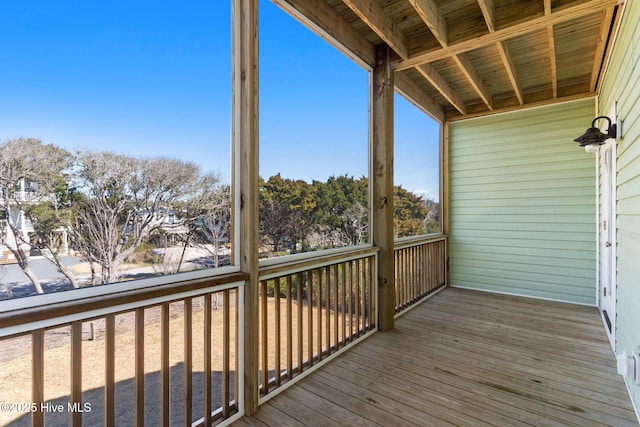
[61,309]
[289,267]
[406,242]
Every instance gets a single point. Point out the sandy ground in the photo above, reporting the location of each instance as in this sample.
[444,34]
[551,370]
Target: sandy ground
[15,366]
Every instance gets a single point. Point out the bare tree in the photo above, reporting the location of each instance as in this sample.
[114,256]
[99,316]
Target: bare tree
[216,220]
[206,214]
[27,170]
[125,199]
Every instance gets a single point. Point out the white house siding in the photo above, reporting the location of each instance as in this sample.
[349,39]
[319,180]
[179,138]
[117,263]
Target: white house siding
[622,84]
[523,204]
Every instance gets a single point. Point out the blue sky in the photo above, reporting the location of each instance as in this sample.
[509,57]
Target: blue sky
[153,78]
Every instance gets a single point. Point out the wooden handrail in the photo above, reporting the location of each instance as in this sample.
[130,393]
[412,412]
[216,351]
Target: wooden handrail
[288,267]
[406,242]
[84,305]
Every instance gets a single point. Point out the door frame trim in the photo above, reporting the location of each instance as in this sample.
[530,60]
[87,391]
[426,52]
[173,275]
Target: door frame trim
[602,238]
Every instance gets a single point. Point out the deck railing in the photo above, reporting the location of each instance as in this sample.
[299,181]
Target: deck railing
[310,310]
[165,355]
[171,354]
[420,266]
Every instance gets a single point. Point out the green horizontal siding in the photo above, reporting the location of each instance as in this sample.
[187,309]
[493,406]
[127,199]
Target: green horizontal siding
[523,204]
[621,85]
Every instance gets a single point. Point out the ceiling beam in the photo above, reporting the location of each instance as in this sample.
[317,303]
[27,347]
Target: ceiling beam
[432,17]
[534,24]
[417,96]
[602,45]
[552,51]
[511,71]
[552,61]
[472,75]
[374,16]
[488,9]
[331,26]
[429,72]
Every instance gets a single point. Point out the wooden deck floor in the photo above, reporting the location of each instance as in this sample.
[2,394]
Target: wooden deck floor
[467,358]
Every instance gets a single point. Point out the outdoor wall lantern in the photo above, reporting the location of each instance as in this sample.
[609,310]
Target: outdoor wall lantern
[593,137]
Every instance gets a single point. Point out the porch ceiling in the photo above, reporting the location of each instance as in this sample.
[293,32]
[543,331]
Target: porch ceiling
[459,58]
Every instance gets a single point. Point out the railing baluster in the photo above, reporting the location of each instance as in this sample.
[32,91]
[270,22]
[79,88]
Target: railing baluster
[327,317]
[226,354]
[278,342]
[363,295]
[207,360]
[76,372]
[417,262]
[164,370]
[236,349]
[109,370]
[139,366]
[37,376]
[358,296]
[432,273]
[310,282]
[371,295]
[351,301]
[422,270]
[335,304]
[289,327]
[300,320]
[319,313]
[265,338]
[188,361]
[343,306]
[403,273]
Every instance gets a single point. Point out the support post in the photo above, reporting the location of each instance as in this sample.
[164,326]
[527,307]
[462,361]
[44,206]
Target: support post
[444,192]
[245,176]
[382,183]
[444,178]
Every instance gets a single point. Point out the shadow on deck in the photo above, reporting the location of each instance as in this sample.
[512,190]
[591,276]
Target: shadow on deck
[467,358]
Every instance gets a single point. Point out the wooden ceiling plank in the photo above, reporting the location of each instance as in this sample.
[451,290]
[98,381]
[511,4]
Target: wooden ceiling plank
[375,17]
[534,24]
[331,26]
[511,71]
[417,96]
[472,75]
[429,72]
[488,9]
[602,45]
[547,7]
[433,18]
[552,61]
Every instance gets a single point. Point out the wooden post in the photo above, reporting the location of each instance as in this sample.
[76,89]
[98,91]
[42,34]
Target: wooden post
[444,193]
[382,183]
[245,176]
[444,178]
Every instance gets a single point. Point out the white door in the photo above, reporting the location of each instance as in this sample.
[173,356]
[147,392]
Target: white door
[607,239]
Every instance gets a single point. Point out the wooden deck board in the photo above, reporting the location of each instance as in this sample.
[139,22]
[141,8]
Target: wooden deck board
[468,358]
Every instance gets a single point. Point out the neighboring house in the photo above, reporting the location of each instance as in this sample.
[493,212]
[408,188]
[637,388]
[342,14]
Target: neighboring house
[24,195]
[24,226]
